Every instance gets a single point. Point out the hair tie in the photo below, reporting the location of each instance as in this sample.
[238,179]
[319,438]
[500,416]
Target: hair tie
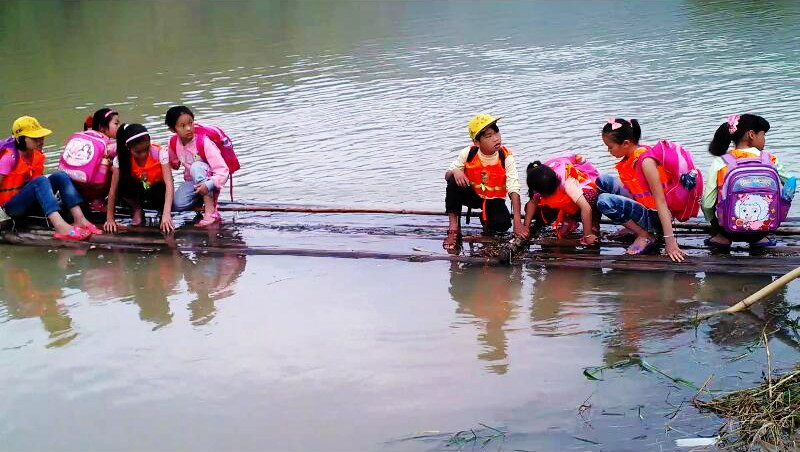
[110,112]
[733,123]
[614,124]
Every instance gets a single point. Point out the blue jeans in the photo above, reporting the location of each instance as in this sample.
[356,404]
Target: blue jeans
[185,197]
[616,202]
[40,192]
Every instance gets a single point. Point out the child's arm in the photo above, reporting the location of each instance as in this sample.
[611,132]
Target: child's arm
[575,193]
[111,225]
[456,169]
[530,211]
[650,169]
[169,195]
[219,169]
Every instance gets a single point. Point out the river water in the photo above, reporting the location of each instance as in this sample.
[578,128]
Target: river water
[365,103]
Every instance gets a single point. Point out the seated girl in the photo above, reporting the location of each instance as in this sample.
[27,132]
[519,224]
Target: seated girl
[24,190]
[141,176]
[638,205]
[566,187]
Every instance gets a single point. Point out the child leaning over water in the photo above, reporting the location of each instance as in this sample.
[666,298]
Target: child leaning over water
[141,176]
[639,205]
[565,186]
[205,170]
[755,211]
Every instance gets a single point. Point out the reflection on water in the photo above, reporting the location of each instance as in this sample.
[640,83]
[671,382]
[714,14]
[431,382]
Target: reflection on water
[489,295]
[39,283]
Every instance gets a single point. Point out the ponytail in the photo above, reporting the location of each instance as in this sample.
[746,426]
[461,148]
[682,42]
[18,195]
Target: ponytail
[619,130]
[734,130]
[541,179]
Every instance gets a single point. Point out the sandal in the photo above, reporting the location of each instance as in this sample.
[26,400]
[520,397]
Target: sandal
[761,245]
[75,233]
[210,219]
[453,241]
[621,235]
[637,248]
[91,228]
[717,246]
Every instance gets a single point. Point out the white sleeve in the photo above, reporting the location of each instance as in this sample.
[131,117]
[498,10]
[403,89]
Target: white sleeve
[461,160]
[163,155]
[512,177]
[115,162]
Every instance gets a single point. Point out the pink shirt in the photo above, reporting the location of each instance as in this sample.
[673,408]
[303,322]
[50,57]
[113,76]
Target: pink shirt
[188,154]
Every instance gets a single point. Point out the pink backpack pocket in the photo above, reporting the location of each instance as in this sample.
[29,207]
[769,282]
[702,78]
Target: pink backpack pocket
[85,158]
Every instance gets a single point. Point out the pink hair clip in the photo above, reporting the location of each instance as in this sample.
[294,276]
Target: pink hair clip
[614,124]
[733,123]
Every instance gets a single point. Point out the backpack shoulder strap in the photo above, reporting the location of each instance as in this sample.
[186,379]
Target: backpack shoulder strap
[200,142]
[730,161]
[173,143]
[473,151]
[502,155]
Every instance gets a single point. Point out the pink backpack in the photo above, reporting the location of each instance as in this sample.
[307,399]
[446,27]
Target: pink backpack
[219,138]
[683,197]
[86,158]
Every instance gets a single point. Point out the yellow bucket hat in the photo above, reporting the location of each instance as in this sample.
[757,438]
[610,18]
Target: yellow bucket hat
[480,122]
[28,126]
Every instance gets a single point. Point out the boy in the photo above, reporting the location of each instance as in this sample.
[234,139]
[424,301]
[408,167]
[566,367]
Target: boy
[481,177]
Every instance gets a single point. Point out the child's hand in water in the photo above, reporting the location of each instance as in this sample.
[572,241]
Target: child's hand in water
[201,189]
[674,251]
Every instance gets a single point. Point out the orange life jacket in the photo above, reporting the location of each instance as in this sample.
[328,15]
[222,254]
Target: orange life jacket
[639,189]
[151,173]
[21,174]
[738,154]
[488,181]
[560,200]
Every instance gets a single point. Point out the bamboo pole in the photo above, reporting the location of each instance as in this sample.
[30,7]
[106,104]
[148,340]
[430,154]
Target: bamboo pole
[756,297]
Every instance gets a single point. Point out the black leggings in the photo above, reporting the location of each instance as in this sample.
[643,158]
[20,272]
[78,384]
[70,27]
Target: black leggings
[132,191]
[497,214]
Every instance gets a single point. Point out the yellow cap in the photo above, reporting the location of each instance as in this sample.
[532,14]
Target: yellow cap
[480,122]
[28,126]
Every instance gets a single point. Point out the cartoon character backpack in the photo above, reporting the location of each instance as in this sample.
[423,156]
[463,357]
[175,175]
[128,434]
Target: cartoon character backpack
[749,199]
[685,191]
[86,158]
[219,138]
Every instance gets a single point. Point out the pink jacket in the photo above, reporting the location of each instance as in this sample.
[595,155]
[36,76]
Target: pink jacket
[188,154]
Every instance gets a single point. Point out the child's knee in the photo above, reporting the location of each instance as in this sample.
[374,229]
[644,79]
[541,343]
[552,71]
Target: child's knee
[605,183]
[199,171]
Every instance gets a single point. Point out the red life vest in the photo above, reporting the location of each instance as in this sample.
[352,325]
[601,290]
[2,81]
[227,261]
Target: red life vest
[639,189]
[488,181]
[21,174]
[151,173]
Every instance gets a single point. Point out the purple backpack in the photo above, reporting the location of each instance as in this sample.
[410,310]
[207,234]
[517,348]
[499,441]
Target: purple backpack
[749,199]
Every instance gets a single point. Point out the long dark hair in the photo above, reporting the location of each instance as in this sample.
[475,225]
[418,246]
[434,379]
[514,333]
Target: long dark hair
[625,130]
[542,179]
[740,125]
[125,132]
[100,118]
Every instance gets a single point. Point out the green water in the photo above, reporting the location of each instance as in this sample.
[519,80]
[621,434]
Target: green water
[365,103]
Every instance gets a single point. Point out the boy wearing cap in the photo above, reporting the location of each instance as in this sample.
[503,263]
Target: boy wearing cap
[23,186]
[481,177]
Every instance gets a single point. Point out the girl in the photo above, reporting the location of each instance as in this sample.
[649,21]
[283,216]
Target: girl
[747,132]
[23,187]
[204,177]
[141,176]
[105,123]
[566,186]
[639,205]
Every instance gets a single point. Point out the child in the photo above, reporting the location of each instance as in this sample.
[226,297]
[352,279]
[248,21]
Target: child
[205,170]
[747,132]
[639,205]
[482,176]
[566,185]
[92,176]
[141,176]
[23,187]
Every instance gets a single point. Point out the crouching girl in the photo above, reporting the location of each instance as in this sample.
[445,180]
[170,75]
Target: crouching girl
[565,188]
[141,176]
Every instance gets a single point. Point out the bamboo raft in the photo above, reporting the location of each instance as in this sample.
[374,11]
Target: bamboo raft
[408,235]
